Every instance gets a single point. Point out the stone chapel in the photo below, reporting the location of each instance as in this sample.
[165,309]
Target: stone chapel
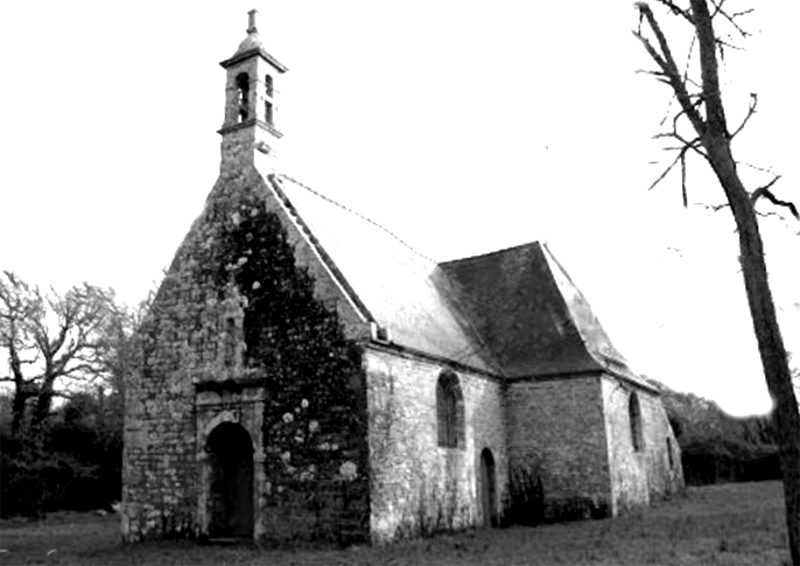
[303,374]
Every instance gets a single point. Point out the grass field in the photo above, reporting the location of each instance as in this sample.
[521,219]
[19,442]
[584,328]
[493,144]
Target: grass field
[723,524]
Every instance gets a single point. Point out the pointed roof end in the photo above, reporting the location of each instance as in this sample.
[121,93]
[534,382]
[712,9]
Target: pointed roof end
[595,339]
[592,332]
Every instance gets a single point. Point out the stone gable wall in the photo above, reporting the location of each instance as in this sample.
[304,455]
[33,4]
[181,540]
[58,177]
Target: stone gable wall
[160,475]
[418,487]
[557,437]
[245,328]
[648,475]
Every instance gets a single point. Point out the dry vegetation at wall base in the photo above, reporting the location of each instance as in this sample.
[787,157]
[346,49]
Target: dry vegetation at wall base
[722,524]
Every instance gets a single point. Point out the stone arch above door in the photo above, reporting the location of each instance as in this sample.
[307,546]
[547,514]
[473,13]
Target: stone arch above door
[226,416]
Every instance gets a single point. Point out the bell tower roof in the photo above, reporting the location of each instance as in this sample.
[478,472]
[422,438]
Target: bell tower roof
[251,45]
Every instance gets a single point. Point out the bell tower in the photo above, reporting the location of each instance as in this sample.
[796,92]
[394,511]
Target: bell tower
[249,134]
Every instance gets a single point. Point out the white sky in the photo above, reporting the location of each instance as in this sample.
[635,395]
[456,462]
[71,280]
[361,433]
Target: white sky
[462,126]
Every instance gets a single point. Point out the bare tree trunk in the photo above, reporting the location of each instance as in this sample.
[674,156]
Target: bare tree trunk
[20,393]
[765,324]
[713,142]
[717,142]
[18,411]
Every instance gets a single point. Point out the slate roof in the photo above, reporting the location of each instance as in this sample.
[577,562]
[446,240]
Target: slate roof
[531,314]
[400,289]
[515,312]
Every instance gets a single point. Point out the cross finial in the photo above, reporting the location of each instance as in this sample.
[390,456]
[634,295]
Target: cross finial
[251,21]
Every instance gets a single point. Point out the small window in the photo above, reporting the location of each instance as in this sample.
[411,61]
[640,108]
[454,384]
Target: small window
[268,84]
[243,86]
[635,416]
[669,454]
[268,112]
[449,411]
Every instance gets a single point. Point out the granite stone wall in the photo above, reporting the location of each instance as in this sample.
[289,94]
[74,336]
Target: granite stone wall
[650,473]
[557,437]
[417,486]
[241,331]
[177,341]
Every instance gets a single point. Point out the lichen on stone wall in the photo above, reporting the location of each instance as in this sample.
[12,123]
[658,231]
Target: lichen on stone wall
[234,314]
[315,414]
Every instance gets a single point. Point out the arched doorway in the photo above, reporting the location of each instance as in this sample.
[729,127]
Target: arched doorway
[230,497]
[488,489]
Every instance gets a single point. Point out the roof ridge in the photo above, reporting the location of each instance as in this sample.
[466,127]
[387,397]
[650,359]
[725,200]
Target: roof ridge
[358,214]
[539,243]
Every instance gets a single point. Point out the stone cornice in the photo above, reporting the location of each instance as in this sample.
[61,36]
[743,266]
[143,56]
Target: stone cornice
[250,123]
[250,53]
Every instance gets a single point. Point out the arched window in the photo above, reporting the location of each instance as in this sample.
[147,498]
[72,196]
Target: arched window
[268,84]
[243,86]
[635,416]
[449,411]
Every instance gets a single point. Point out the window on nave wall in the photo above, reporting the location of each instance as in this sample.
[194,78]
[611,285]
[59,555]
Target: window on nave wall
[449,411]
[635,416]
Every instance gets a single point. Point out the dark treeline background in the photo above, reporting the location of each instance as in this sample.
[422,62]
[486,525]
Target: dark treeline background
[76,465]
[68,356]
[717,447]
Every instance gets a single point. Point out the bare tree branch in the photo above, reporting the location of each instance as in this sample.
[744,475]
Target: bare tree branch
[666,63]
[757,168]
[731,18]
[743,13]
[768,194]
[715,207]
[751,110]
[53,341]
[683,179]
[678,10]
[685,146]
[686,80]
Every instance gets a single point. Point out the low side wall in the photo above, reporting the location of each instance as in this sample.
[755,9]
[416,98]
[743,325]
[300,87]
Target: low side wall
[418,487]
[654,470]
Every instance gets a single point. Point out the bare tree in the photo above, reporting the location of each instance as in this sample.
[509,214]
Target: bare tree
[54,343]
[700,127]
